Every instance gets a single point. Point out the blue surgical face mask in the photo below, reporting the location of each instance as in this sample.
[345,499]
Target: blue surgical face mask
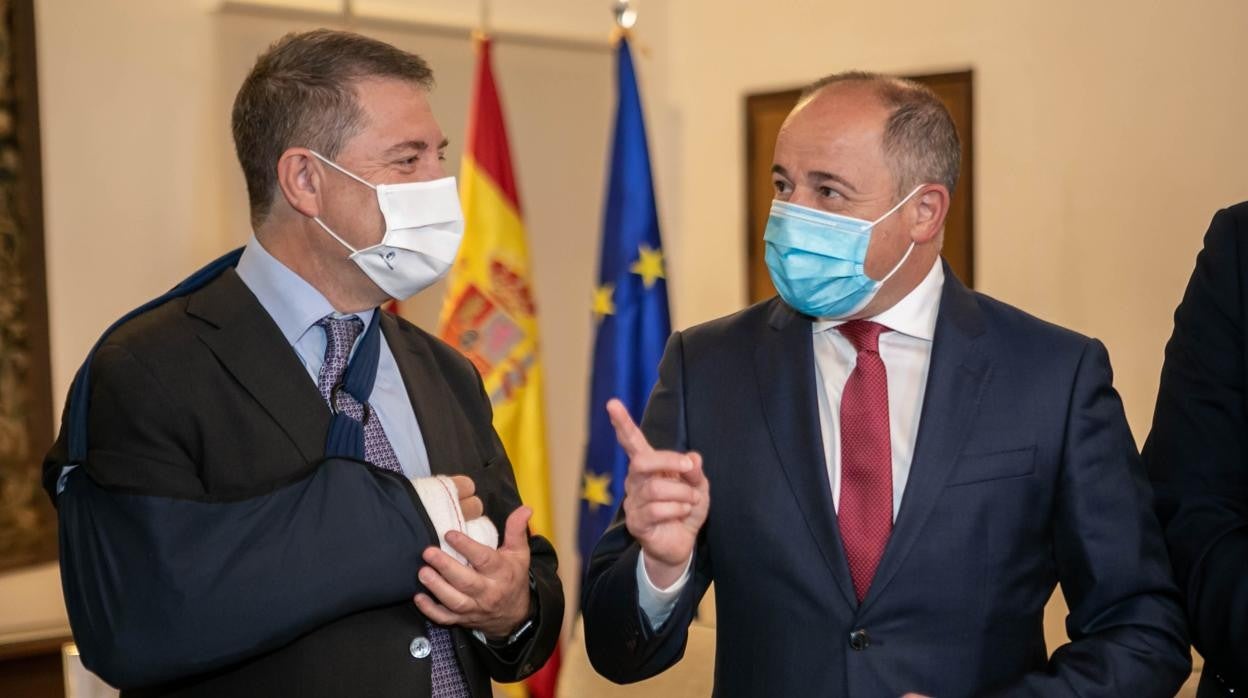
[816,259]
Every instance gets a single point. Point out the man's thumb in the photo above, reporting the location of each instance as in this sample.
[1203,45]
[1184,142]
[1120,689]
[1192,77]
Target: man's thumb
[516,535]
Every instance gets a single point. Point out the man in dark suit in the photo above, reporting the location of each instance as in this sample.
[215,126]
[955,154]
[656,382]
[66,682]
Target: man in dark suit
[898,470]
[1197,452]
[263,480]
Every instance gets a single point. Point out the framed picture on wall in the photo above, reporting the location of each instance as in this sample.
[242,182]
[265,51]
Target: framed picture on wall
[27,520]
[764,114]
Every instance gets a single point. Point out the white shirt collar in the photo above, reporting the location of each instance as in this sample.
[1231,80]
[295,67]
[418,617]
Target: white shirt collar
[914,315]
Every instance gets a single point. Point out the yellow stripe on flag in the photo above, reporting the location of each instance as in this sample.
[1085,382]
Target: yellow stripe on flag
[490,316]
[490,308]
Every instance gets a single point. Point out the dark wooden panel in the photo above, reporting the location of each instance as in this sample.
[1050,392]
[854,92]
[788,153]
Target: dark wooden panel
[764,114]
[32,669]
[956,91]
[27,521]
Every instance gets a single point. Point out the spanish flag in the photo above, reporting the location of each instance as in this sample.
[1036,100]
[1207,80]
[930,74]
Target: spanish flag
[489,313]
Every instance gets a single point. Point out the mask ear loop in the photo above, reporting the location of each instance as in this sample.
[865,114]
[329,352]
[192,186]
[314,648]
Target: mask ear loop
[334,235]
[875,222]
[338,167]
[909,249]
[904,257]
[318,220]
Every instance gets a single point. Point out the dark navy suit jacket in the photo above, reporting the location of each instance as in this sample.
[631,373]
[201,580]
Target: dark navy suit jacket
[1197,452]
[1024,475]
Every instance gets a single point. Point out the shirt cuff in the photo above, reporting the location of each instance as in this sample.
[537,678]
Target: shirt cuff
[658,603]
[63,478]
[511,639]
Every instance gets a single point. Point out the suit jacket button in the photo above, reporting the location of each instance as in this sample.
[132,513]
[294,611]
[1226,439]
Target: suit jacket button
[859,640]
[420,647]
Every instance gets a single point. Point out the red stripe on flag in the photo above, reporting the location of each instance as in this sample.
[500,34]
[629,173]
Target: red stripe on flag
[487,134]
[543,683]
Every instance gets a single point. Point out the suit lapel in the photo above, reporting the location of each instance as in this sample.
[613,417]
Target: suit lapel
[784,364]
[957,374]
[247,342]
[429,394]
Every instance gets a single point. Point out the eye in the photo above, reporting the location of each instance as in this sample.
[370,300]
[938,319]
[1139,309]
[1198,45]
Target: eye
[410,161]
[780,186]
[828,193]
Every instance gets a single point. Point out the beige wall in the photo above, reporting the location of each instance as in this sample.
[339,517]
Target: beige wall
[142,187]
[1107,134]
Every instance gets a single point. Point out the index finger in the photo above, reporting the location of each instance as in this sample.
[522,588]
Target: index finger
[479,556]
[626,431]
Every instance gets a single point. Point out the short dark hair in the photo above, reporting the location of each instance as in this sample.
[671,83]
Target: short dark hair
[920,141]
[301,92]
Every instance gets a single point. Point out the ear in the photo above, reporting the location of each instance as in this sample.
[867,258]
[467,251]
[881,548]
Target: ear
[931,207]
[299,178]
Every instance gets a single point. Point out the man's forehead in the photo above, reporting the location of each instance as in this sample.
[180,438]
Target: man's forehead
[836,119]
[841,107]
[398,114]
[383,98]
[830,138]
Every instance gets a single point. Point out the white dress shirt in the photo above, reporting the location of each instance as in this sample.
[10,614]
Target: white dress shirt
[907,353]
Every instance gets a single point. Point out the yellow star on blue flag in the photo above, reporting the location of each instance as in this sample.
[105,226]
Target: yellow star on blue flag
[649,265]
[604,304]
[596,490]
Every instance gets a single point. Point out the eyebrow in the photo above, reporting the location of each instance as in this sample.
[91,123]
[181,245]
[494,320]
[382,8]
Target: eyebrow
[817,176]
[417,145]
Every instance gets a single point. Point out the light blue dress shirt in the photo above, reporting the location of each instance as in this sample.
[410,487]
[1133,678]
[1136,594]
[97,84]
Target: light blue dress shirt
[296,307]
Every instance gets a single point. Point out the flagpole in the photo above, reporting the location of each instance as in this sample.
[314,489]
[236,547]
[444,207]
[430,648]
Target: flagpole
[348,13]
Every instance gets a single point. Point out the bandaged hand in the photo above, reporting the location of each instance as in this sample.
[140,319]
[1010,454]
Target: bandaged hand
[452,505]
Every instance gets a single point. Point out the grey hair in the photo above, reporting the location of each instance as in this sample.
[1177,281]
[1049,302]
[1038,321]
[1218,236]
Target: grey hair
[920,140]
[301,92]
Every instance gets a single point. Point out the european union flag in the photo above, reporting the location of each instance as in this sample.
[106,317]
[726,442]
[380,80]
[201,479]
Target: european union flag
[630,307]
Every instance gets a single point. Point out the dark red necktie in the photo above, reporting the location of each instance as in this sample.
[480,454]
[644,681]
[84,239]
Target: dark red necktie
[865,513]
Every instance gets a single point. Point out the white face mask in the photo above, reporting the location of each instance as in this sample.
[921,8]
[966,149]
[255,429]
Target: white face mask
[424,226]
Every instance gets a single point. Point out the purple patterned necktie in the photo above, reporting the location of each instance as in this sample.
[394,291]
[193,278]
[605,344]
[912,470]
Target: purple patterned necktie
[340,336]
